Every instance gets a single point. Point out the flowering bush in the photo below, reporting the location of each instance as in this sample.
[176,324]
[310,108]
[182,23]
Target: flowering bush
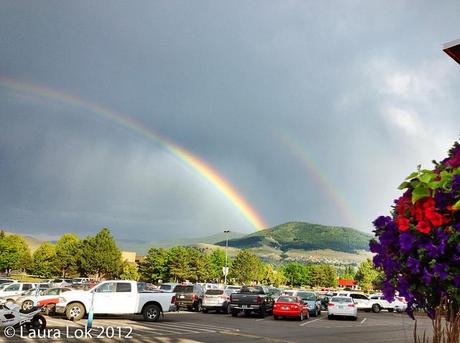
[418,247]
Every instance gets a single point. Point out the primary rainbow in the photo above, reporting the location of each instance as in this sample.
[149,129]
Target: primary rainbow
[191,160]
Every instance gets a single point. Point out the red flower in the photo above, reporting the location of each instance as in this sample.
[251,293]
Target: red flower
[437,219]
[419,214]
[428,203]
[423,227]
[403,223]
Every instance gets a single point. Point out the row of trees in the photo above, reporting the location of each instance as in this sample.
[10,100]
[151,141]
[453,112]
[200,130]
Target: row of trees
[99,256]
[95,255]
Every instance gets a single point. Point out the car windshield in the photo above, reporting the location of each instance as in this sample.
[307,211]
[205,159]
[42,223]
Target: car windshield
[307,296]
[166,287]
[287,299]
[30,291]
[341,300]
[289,292]
[183,289]
[214,292]
[252,289]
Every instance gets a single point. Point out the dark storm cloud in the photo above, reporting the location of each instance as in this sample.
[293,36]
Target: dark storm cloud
[362,86]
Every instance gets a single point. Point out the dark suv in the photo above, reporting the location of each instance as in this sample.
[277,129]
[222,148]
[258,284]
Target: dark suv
[189,296]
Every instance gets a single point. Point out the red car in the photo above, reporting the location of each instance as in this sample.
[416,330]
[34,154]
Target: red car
[290,306]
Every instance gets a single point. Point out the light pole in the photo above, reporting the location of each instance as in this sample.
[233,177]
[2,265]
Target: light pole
[226,257]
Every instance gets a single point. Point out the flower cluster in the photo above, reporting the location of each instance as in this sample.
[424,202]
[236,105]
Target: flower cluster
[418,247]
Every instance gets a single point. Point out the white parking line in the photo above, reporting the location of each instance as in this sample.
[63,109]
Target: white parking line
[362,321]
[310,321]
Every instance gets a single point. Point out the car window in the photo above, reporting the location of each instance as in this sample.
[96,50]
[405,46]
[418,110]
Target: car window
[26,286]
[214,292]
[123,287]
[359,296]
[307,296]
[341,300]
[289,292]
[12,288]
[283,299]
[108,287]
[183,289]
[63,290]
[166,287]
[252,289]
[53,291]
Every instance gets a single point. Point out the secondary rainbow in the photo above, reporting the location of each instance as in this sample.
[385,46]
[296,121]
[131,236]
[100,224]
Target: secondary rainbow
[302,155]
[194,162]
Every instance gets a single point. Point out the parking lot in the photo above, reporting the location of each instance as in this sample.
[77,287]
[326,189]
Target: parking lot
[199,327]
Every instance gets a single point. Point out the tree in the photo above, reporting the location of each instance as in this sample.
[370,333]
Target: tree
[348,273]
[217,260]
[272,276]
[247,267]
[155,266]
[179,261]
[44,261]
[100,255]
[296,274]
[14,252]
[367,275]
[129,272]
[67,253]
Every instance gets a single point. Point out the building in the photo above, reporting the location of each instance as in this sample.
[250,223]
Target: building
[453,50]
[345,283]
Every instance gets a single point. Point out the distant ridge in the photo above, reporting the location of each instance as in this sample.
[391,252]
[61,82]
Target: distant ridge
[305,236]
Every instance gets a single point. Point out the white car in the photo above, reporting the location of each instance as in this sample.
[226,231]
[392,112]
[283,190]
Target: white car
[379,303]
[15,289]
[168,287]
[116,297]
[343,307]
[361,301]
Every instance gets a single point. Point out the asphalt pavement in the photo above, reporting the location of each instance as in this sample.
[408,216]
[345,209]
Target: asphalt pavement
[184,327]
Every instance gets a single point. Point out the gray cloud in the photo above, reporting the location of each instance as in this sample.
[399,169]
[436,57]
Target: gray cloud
[363,87]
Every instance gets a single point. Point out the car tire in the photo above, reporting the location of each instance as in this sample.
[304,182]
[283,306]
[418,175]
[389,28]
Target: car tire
[247,313]
[27,305]
[228,309]
[198,307]
[391,310]
[263,312]
[355,318]
[151,313]
[205,310]
[376,308]
[234,313]
[275,317]
[38,323]
[75,311]
[329,316]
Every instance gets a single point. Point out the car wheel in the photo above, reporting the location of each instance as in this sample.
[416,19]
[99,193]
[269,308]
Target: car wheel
[391,310]
[376,308]
[151,313]
[75,311]
[329,316]
[38,323]
[275,317]
[263,312]
[247,313]
[198,306]
[234,313]
[319,312]
[27,305]
[228,309]
[355,318]
[205,310]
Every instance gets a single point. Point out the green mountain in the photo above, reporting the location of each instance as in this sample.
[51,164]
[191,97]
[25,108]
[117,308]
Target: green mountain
[304,236]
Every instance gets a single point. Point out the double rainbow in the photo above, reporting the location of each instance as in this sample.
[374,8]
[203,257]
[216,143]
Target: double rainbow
[210,174]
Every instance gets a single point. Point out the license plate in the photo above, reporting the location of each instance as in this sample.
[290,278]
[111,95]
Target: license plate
[340,306]
[246,306]
[181,296]
[285,308]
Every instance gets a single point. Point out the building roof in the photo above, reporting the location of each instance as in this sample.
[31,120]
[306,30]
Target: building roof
[453,50]
[346,283]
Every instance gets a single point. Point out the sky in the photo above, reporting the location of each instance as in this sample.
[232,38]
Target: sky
[310,110]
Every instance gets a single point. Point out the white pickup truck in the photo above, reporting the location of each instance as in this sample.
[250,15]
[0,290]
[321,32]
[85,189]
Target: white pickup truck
[116,297]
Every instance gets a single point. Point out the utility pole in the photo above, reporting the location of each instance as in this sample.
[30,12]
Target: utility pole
[226,257]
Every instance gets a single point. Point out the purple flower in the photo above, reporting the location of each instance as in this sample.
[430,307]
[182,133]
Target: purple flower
[375,247]
[440,269]
[388,290]
[413,264]
[431,250]
[456,183]
[406,241]
[381,222]
[457,226]
[426,276]
[457,281]
[431,313]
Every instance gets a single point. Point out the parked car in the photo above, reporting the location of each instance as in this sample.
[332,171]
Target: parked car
[233,288]
[362,301]
[17,288]
[2,281]
[116,297]
[31,298]
[310,298]
[252,299]
[61,283]
[379,303]
[342,306]
[168,287]
[189,296]
[217,300]
[290,306]
[324,299]
[80,281]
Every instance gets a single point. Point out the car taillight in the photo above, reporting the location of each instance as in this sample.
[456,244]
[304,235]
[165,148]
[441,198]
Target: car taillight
[193,296]
[351,305]
[330,305]
[173,299]
[259,300]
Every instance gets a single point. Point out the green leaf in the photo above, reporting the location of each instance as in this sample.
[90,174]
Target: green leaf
[411,176]
[456,205]
[404,185]
[420,192]
[427,176]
